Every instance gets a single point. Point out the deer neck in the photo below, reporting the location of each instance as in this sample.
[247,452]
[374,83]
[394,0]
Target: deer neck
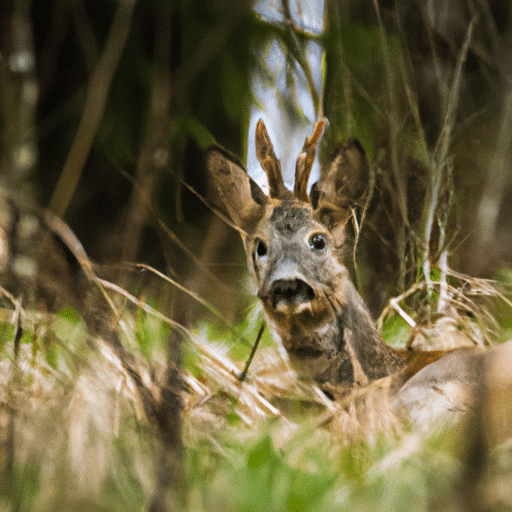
[343,348]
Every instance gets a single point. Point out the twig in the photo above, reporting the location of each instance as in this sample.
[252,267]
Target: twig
[301,58]
[440,157]
[396,306]
[18,329]
[396,300]
[253,351]
[94,106]
[358,226]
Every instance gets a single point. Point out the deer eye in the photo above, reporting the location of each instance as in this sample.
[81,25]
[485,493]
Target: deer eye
[317,242]
[261,249]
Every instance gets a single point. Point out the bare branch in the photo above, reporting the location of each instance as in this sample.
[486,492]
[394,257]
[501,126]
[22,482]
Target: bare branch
[94,106]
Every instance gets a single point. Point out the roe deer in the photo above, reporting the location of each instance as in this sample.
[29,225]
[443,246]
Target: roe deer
[293,243]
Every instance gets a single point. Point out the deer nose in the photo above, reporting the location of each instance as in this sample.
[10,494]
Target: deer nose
[290,291]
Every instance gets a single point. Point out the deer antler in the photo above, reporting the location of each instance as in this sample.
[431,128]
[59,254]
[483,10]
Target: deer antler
[305,161]
[269,162]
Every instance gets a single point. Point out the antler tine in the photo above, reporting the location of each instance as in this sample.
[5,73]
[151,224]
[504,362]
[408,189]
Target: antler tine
[305,161]
[269,162]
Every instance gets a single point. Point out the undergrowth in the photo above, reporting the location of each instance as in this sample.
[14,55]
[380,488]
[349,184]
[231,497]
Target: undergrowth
[74,435]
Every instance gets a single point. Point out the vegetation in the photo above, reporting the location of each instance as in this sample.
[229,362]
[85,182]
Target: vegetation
[105,107]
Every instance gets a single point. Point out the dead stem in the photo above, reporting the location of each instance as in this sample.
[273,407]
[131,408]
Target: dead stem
[93,110]
[440,158]
[302,59]
[253,351]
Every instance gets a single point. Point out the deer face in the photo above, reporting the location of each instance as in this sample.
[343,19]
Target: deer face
[294,261]
[291,248]
[292,242]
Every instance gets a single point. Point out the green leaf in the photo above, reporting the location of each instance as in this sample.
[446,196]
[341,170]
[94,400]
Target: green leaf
[201,135]
[395,331]
[268,483]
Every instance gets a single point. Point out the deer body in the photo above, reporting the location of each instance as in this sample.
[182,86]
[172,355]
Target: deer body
[294,246]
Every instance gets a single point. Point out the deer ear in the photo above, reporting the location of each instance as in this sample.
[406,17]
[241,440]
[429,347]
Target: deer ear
[343,188]
[334,219]
[232,190]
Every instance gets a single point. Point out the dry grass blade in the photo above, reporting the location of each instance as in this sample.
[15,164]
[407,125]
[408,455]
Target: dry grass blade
[196,297]
[97,93]
[222,375]
[193,191]
[145,307]
[464,318]
[275,391]
[148,203]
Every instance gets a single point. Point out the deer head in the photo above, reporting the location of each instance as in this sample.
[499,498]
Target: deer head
[293,241]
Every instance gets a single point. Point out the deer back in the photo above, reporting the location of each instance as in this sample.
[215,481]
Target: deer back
[294,241]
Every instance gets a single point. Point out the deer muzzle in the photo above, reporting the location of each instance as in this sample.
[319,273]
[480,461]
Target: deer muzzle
[290,295]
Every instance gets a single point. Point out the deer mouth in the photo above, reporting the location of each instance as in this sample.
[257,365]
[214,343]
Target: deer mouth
[291,295]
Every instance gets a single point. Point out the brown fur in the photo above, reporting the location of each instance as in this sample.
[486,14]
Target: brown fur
[293,248]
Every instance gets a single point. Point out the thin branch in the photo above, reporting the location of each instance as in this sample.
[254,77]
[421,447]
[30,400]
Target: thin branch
[302,60]
[253,351]
[441,156]
[94,106]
